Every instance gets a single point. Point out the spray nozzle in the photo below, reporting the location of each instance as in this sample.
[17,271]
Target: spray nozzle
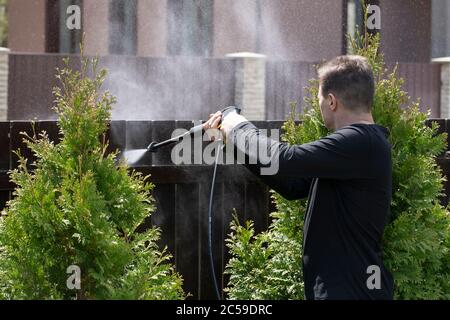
[151,147]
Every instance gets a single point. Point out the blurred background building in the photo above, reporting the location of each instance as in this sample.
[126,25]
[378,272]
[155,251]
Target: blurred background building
[289,29]
[288,36]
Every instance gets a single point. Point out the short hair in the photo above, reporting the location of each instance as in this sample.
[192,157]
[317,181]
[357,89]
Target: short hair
[351,79]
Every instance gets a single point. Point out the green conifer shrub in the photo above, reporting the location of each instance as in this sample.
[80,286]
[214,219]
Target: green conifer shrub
[417,239]
[76,207]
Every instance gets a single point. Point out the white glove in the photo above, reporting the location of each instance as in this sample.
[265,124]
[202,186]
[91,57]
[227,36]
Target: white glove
[230,121]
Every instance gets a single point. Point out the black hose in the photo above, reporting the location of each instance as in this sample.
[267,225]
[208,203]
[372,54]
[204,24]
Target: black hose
[152,147]
[211,198]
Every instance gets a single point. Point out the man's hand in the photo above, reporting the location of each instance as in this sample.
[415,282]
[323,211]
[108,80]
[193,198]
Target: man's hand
[213,121]
[225,125]
[213,124]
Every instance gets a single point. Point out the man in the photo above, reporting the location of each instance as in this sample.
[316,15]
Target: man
[347,177]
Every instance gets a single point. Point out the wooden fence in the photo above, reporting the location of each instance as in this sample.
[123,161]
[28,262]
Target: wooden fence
[285,83]
[146,88]
[286,80]
[184,88]
[181,194]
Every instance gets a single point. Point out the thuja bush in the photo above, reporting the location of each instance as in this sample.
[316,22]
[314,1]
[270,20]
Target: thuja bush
[417,238]
[76,207]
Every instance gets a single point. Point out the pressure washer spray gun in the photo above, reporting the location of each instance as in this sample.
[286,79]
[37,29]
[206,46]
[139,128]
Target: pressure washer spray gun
[152,147]
[133,156]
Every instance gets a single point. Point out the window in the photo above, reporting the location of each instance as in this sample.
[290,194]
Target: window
[69,40]
[3,23]
[122,28]
[355,18]
[59,38]
[440,22]
[190,27]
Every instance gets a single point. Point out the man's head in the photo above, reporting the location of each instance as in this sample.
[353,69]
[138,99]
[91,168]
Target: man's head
[346,88]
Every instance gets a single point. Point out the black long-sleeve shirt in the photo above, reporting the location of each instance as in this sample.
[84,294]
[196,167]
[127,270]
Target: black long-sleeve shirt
[347,177]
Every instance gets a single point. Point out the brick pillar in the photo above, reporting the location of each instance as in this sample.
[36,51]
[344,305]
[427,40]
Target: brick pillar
[250,84]
[4,52]
[445,86]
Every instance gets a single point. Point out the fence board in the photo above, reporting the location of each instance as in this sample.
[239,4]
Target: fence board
[187,235]
[5,148]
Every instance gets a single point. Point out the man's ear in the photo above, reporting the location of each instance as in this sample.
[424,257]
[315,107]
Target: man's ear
[332,101]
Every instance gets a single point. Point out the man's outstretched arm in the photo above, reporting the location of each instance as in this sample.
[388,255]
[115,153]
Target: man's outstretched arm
[290,188]
[345,154]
